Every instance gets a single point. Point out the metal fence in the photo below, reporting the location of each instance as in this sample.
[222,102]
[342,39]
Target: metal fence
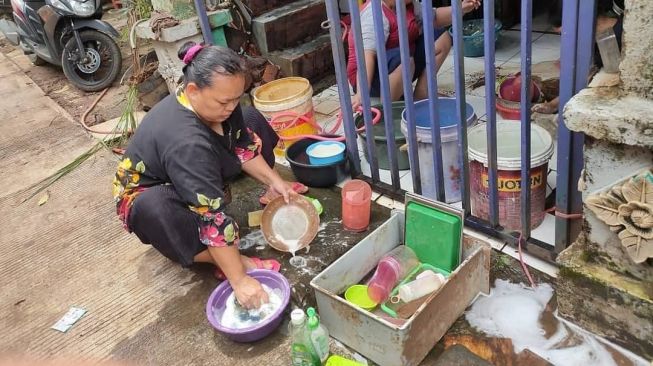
[576,45]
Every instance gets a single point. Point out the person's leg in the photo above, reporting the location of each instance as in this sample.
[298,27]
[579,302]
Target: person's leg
[442,49]
[255,121]
[159,217]
[396,72]
[205,257]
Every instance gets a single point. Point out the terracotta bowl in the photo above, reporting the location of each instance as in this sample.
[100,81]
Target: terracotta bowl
[298,220]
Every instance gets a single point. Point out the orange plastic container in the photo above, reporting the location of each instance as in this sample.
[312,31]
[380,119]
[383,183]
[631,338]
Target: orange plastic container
[282,102]
[356,205]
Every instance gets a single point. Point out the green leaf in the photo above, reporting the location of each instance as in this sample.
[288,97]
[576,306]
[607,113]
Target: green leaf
[252,147]
[203,200]
[229,233]
[140,167]
[214,203]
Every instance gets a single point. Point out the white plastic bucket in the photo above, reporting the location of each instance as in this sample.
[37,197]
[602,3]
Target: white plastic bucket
[450,147]
[509,172]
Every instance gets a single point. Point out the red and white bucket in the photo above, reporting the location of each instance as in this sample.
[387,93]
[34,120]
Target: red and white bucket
[509,172]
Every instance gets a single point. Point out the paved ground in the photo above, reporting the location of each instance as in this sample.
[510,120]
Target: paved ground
[72,251]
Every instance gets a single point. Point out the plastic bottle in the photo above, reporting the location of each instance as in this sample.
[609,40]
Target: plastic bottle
[318,335]
[302,352]
[392,268]
[420,287]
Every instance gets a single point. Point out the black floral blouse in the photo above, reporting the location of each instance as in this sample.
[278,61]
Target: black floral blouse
[172,146]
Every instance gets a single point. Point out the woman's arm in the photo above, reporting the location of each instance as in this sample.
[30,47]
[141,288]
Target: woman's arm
[442,16]
[258,169]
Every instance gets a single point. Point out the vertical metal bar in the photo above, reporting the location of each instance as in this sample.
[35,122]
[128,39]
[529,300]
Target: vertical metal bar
[333,14]
[577,35]
[431,74]
[363,87]
[526,54]
[461,105]
[490,107]
[408,95]
[384,78]
[203,17]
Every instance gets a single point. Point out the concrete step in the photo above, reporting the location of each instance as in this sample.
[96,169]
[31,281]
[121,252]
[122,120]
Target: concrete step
[311,60]
[594,295]
[258,7]
[289,25]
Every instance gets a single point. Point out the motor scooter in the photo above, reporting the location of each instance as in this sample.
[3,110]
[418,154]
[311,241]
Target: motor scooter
[70,34]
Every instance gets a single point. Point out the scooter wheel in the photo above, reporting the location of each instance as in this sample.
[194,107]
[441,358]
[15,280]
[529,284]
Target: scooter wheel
[103,61]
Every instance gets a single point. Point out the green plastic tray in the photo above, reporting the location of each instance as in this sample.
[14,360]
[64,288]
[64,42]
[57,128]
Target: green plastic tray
[419,269]
[434,234]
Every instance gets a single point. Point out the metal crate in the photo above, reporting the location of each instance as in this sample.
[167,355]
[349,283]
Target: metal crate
[376,338]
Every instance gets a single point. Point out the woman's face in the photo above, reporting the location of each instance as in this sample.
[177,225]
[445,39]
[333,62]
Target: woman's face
[214,104]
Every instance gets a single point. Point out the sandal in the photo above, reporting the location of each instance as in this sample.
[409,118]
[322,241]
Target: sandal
[274,265]
[271,194]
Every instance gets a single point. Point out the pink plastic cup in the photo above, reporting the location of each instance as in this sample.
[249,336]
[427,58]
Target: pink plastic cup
[356,205]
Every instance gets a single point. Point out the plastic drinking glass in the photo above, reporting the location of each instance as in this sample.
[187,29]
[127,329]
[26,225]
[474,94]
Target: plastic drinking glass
[356,205]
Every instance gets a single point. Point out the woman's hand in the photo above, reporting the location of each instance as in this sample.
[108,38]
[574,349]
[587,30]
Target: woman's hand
[356,102]
[469,5]
[283,188]
[249,293]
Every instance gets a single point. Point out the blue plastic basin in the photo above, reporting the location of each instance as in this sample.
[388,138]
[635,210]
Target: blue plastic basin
[473,44]
[326,160]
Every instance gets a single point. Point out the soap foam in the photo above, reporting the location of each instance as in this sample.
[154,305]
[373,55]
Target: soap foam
[326,150]
[514,310]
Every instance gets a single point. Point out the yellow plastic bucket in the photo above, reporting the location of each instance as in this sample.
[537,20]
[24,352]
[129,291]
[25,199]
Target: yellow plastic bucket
[288,105]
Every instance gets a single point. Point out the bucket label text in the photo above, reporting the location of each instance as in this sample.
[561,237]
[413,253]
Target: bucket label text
[513,184]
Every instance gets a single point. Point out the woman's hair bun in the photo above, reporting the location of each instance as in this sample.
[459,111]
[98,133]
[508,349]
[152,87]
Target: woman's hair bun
[184,49]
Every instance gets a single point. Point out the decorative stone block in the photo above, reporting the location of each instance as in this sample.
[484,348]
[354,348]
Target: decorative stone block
[608,303]
[637,64]
[166,47]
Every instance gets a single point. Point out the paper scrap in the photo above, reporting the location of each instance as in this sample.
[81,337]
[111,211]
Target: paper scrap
[44,198]
[69,319]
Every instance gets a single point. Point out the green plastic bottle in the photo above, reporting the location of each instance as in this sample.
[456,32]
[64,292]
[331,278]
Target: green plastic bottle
[301,350]
[318,335]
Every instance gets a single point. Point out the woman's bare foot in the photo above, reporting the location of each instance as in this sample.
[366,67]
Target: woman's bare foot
[545,108]
[249,263]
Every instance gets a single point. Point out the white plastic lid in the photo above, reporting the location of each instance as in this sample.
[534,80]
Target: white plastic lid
[509,145]
[297,316]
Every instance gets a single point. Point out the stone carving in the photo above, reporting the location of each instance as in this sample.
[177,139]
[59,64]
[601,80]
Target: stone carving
[628,209]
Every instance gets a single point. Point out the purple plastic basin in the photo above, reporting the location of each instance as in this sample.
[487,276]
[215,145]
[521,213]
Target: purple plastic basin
[221,293]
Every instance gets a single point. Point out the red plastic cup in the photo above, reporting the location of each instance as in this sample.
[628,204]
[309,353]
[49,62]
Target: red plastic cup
[356,205]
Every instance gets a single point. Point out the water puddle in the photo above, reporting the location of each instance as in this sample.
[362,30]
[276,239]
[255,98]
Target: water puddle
[520,313]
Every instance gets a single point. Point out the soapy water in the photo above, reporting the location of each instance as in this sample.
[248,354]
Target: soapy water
[326,150]
[514,311]
[298,261]
[237,317]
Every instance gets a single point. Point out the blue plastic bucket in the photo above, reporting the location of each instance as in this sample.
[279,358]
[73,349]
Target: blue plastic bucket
[450,149]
